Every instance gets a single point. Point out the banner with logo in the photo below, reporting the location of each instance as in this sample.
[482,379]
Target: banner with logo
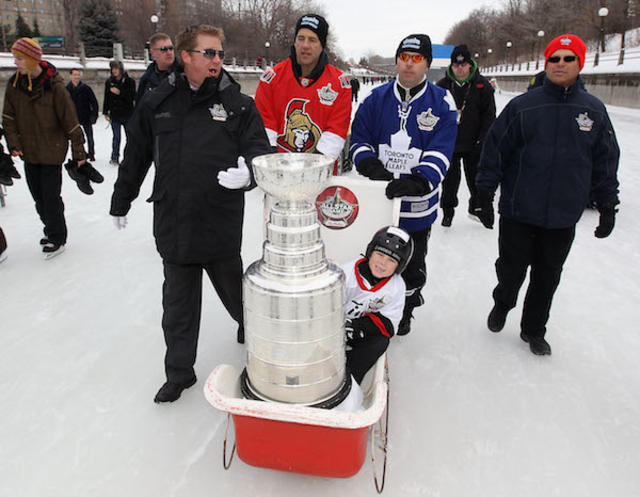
[350,210]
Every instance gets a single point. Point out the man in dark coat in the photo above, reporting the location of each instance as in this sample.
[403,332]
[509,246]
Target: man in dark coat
[355,89]
[119,95]
[199,130]
[548,150]
[164,63]
[476,106]
[86,106]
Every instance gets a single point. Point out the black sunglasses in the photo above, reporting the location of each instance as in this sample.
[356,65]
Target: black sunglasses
[556,58]
[209,53]
[168,48]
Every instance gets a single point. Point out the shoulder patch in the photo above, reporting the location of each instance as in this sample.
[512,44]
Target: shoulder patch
[268,75]
[344,81]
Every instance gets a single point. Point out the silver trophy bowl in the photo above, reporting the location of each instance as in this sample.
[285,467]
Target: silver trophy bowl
[293,297]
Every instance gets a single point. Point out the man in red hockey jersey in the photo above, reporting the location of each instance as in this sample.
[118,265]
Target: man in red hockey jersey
[304,101]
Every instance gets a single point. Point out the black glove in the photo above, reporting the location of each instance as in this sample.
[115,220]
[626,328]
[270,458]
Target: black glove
[374,169]
[355,333]
[485,201]
[7,170]
[81,180]
[411,185]
[607,221]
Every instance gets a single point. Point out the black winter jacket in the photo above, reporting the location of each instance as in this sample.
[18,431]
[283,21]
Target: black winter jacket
[479,112]
[153,77]
[548,150]
[119,106]
[85,101]
[191,136]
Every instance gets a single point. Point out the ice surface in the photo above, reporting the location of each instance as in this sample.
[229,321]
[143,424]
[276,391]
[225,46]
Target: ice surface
[473,413]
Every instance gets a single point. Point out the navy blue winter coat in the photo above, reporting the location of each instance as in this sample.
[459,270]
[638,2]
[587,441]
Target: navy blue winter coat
[549,149]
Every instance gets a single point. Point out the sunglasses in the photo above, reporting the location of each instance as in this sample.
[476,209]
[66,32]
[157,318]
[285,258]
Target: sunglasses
[417,58]
[168,48]
[556,58]
[209,53]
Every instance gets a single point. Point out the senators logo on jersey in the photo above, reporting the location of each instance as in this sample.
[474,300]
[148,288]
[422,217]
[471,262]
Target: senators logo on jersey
[301,134]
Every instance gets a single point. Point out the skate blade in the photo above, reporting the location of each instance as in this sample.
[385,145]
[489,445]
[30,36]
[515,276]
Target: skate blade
[51,255]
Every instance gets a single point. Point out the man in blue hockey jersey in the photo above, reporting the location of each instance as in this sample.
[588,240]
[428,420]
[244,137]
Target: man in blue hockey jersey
[404,132]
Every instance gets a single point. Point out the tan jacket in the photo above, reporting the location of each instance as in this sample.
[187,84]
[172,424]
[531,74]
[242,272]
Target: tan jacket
[40,123]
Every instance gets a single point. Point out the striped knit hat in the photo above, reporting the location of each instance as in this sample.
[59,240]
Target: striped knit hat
[30,51]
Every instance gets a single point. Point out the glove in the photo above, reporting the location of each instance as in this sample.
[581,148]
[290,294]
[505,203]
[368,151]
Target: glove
[411,185]
[7,170]
[485,213]
[235,178]
[120,222]
[373,169]
[607,221]
[90,172]
[81,180]
[354,333]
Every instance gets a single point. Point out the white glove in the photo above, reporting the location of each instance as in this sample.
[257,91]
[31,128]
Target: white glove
[120,222]
[235,178]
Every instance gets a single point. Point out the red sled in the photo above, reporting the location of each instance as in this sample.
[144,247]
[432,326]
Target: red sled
[307,440]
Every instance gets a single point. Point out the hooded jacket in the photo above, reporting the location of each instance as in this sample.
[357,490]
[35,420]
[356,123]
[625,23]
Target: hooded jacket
[41,122]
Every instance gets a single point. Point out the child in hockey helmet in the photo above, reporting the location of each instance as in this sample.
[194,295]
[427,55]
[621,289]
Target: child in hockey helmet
[394,243]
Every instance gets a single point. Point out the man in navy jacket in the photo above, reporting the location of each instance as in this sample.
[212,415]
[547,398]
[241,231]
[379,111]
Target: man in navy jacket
[549,150]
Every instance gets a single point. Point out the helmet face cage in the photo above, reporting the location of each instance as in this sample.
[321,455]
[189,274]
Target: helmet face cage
[395,243]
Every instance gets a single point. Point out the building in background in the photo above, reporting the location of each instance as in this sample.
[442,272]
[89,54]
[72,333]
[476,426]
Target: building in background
[49,15]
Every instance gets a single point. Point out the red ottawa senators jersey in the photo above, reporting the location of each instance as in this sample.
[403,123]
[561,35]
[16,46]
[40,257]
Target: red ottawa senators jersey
[305,118]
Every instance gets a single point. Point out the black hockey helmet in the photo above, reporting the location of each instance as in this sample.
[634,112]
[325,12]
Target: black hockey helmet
[394,242]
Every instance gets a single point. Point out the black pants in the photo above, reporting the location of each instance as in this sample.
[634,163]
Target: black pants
[545,250]
[364,354]
[182,303]
[415,274]
[88,132]
[451,183]
[45,184]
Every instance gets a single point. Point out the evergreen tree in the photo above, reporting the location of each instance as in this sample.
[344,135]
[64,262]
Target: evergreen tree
[36,28]
[22,28]
[98,28]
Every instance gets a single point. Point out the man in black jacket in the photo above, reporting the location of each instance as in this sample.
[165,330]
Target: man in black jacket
[119,95]
[86,106]
[201,133]
[548,150]
[476,106]
[164,63]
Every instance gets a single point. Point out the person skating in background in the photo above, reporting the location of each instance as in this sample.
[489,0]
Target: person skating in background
[404,132]
[164,63]
[199,130]
[355,89]
[86,107]
[549,149]
[304,101]
[374,297]
[39,120]
[119,96]
[476,107]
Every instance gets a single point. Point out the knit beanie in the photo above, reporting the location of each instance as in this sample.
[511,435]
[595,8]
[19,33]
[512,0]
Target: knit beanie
[30,51]
[460,54]
[418,43]
[315,23]
[568,42]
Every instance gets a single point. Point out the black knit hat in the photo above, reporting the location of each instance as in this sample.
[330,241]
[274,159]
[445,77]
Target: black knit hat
[418,43]
[315,23]
[460,54]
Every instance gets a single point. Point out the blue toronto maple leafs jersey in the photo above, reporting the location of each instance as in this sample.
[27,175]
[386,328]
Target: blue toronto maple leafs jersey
[412,137]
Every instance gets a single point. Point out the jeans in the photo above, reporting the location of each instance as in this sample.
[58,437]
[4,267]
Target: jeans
[115,127]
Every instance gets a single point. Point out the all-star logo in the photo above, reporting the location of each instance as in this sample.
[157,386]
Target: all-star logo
[337,207]
[427,121]
[565,41]
[327,95]
[584,123]
[376,304]
[218,113]
[267,75]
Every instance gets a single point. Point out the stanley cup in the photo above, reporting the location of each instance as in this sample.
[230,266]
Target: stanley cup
[293,296]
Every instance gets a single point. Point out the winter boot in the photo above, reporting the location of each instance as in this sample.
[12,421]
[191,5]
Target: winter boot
[51,250]
[497,318]
[91,172]
[81,180]
[405,323]
[45,241]
[538,345]
[447,217]
[170,391]
[7,170]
